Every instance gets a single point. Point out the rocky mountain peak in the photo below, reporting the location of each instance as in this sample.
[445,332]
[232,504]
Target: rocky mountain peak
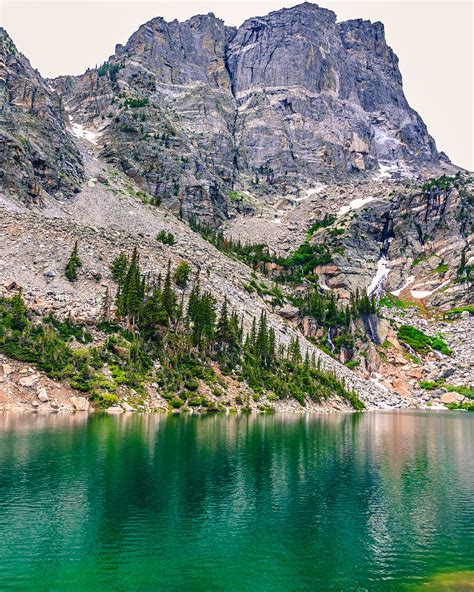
[37,153]
[300,178]
[196,111]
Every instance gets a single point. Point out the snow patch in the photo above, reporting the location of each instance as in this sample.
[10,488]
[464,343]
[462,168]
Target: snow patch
[385,171]
[311,191]
[425,293]
[81,132]
[410,280]
[389,169]
[378,279]
[355,204]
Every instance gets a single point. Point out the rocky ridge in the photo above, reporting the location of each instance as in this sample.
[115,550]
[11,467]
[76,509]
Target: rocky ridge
[211,119]
[37,152]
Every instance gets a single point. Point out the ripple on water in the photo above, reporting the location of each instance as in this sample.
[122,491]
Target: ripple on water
[377,502]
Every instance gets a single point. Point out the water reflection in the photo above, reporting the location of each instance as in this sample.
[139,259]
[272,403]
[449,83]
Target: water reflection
[289,501]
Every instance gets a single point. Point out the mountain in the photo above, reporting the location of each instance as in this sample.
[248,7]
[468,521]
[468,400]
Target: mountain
[209,118]
[37,152]
[219,218]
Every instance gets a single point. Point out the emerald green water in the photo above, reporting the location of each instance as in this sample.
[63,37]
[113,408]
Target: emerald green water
[380,501]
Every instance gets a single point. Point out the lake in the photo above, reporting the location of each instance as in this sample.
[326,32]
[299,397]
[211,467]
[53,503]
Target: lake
[378,501]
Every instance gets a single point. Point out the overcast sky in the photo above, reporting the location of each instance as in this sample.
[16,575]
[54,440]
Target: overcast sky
[433,39]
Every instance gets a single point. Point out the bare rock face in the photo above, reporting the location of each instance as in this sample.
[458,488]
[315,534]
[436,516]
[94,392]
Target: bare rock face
[415,237]
[37,154]
[165,112]
[206,117]
[317,99]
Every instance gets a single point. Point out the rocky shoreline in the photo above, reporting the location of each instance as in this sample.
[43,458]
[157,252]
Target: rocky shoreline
[23,388]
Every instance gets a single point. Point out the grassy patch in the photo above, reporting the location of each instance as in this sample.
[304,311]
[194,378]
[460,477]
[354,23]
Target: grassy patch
[391,301]
[464,406]
[325,222]
[420,342]
[454,312]
[442,268]
[352,364]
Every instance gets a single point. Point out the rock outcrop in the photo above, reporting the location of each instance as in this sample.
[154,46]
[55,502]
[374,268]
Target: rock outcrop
[415,242]
[37,153]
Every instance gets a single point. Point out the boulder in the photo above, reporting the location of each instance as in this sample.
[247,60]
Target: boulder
[7,370]
[114,409]
[401,386]
[127,407]
[415,372]
[288,312]
[80,403]
[29,381]
[43,395]
[448,398]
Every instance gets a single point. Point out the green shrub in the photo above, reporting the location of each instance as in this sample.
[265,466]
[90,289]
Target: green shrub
[463,406]
[191,385]
[68,330]
[196,402]
[103,400]
[176,402]
[430,385]
[442,268]
[328,220]
[166,238]
[181,274]
[352,364]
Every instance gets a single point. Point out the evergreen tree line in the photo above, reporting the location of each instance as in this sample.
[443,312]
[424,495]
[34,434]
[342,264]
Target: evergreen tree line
[159,335]
[297,269]
[170,328]
[292,269]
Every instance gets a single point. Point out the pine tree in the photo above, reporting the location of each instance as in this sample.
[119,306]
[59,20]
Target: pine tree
[168,296]
[18,320]
[223,326]
[130,293]
[73,264]
[119,267]
[181,274]
[294,352]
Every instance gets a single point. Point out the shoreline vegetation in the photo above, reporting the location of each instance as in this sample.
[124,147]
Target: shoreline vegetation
[186,350]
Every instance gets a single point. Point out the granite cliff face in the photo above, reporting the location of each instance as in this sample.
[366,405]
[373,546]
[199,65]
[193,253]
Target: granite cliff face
[37,153]
[164,111]
[417,242]
[317,100]
[209,119]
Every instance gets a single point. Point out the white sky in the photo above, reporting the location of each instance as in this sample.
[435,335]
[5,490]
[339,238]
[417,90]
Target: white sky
[433,40]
